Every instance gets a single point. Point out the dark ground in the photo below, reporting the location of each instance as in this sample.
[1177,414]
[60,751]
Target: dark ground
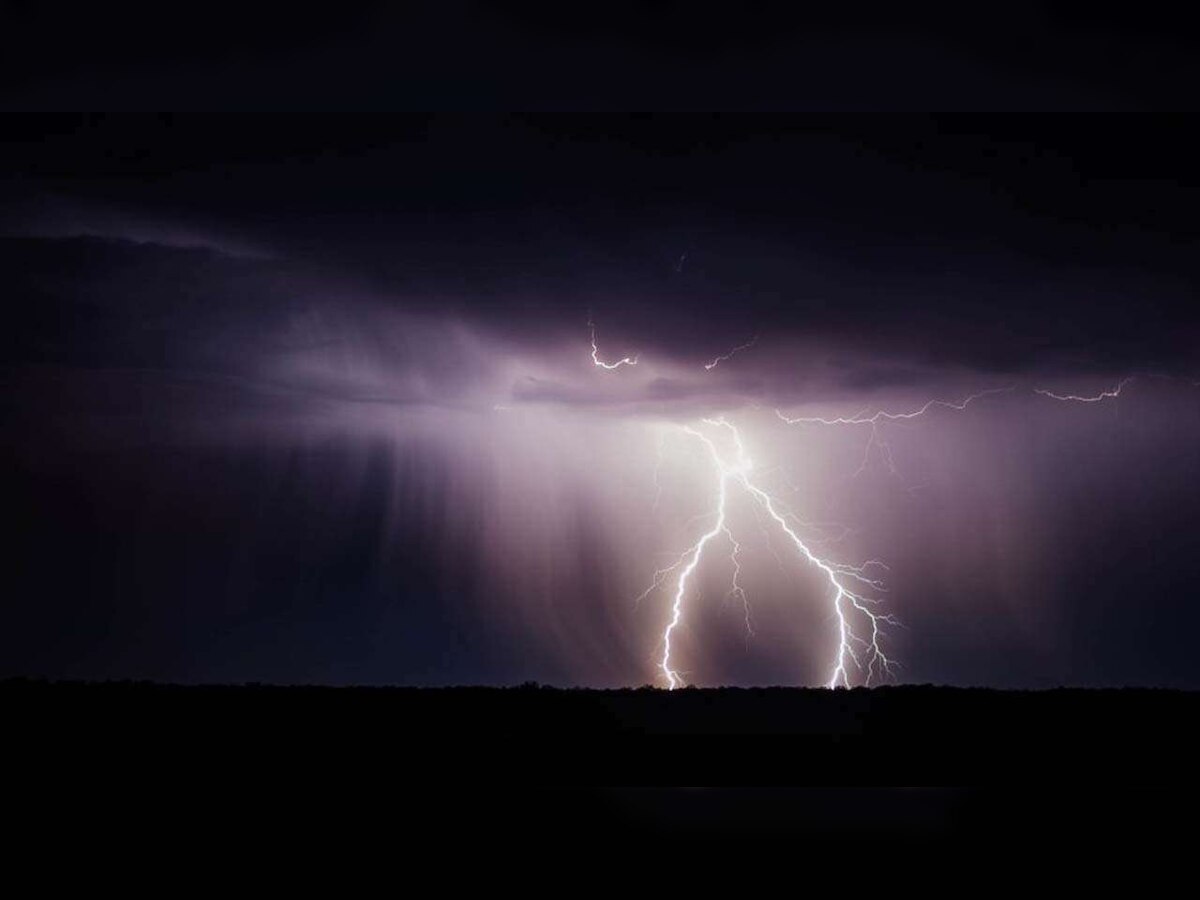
[541,767]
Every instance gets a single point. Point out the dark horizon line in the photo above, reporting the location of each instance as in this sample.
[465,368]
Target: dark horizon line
[11,681]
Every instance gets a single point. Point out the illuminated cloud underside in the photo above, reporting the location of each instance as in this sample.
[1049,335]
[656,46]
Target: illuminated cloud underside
[859,625]
[528,476]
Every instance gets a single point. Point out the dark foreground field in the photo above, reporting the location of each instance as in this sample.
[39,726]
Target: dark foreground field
[563,766]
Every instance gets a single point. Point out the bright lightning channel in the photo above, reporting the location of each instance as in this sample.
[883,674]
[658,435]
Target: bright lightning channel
[863,651]
[874,419]
[1103,395]
[850,607]
[877,418]
[709,366]
[625,361]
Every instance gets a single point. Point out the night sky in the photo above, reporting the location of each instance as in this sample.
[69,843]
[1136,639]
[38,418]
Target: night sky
[312,398]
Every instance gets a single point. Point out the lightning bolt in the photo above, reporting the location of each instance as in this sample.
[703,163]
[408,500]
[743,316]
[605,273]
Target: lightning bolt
[859,626]
[1103,395]
[852,590]
[692,555]
[875,439]
[862,419]
[625,361]
[709,366]
[735,589]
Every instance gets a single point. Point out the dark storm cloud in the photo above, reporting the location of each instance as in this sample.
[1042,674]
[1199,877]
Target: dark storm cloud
[866,376]
[666,389]
[593,55]
[376,448]
[939,243]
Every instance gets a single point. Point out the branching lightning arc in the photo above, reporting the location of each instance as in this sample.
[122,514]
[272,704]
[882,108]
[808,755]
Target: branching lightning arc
[875,439]
[853,590]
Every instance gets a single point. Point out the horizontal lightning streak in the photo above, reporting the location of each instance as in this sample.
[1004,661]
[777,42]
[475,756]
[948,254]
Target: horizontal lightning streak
[874,440]
[1103,395]
[882,415]
[709,366]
